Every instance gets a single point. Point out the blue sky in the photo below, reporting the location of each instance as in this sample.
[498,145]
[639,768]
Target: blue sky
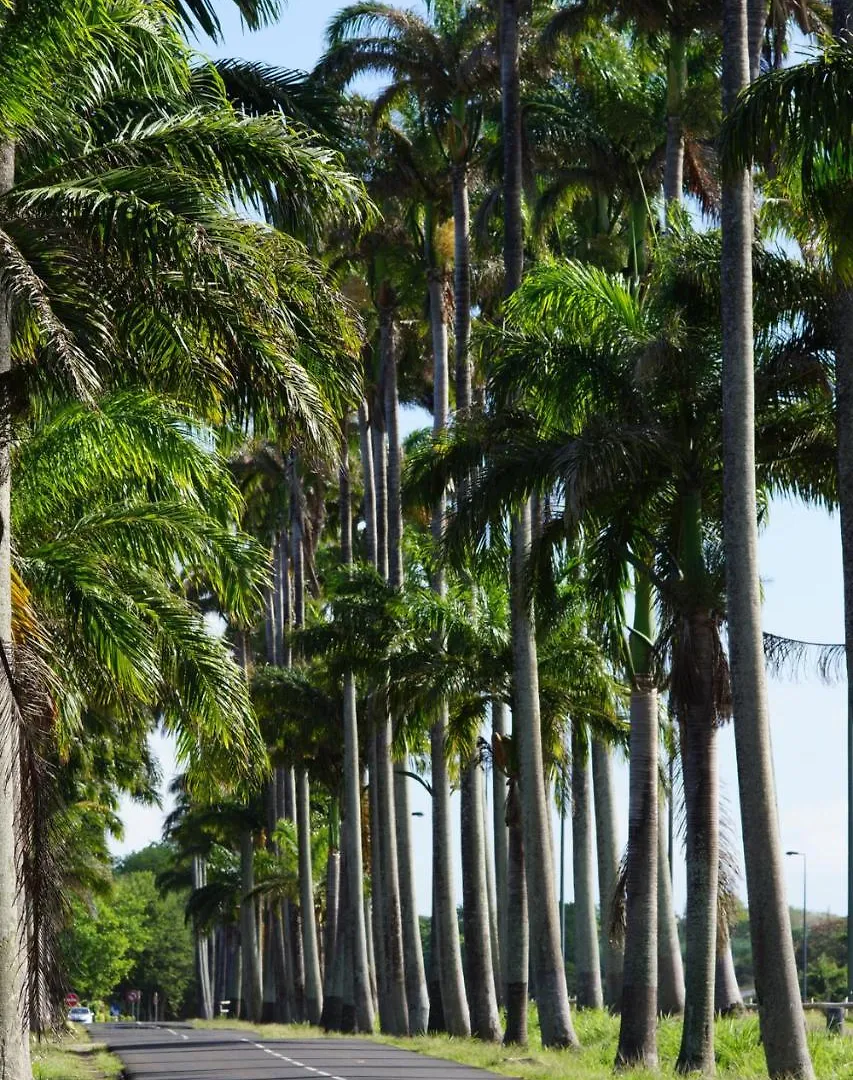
[801,571]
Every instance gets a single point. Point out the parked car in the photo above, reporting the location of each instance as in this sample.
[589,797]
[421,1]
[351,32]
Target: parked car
[80,1015]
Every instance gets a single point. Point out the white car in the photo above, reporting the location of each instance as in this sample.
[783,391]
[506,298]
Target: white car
[81,1015]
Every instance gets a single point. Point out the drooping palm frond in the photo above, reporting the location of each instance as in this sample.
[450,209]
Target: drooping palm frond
[261,88]
[791,658]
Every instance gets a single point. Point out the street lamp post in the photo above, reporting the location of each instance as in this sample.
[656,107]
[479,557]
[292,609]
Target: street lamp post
[801,855]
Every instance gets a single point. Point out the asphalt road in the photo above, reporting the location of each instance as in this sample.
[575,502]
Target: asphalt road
[161,1052]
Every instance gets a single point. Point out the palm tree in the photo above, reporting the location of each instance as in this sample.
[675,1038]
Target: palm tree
[783,1032]
[354,912]
[552,995]
[678,24]
[446,64]
[811,156]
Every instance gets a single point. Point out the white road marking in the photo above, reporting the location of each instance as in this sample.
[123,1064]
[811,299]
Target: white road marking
[177,1034]
[292,1061]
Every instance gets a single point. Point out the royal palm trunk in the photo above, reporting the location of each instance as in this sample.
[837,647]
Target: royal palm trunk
[547,961]
[499,791]
[461,287]
[416,988]
[332,945]
[638,1030]
[251,987]
[479,974]
[380,490]
[518,949]
[354,915]
[676,84]
[365,442]
[671,990]
[781,1017]
[417,993]
[552,995]
[447,956]
[201,943]
[310,943]
[699,765]
[494,933]
[607,848]
[842,327]
[727,995]
[587,960]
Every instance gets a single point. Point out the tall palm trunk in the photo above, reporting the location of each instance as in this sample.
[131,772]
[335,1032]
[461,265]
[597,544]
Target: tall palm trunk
[417,994]
[436,1009]
[587,958]
[843,333]
[461,287]
[499,790]
[638,1030]
[14,1041]
[380,486]
[252,990]
[201,942]
[842,326]
[551,993]
[376,896]
[447,956]
[333,931]
[699,765]
[292,916]
[671,990]
[727,995]
[310,943]
[479,971]
[494,933]
[479,974]
[518,950]
[781,1017]
[353,890]
[396,1018]
[512,158]
[607,848]
[365,441]
[676,84]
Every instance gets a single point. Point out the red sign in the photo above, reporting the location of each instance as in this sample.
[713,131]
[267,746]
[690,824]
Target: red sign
[71,1000]
[133,995]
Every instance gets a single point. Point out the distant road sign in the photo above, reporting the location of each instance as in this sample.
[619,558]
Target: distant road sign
[71,1000]
[133,995]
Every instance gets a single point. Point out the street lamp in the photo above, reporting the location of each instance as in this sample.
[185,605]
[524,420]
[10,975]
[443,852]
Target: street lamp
[801,855]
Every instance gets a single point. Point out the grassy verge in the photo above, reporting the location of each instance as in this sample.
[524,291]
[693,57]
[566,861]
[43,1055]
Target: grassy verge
[73,1057]
[738,1051]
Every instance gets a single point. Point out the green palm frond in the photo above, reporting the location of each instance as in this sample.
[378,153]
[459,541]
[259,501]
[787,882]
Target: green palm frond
[204,14]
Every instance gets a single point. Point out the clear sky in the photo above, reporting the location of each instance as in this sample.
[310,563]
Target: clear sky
[801,571]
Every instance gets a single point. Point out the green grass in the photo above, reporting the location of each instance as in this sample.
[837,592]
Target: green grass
[73,1057]
[739,1053]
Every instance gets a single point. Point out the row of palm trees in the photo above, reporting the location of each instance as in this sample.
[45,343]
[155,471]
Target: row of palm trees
[201,408]
[593,441]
